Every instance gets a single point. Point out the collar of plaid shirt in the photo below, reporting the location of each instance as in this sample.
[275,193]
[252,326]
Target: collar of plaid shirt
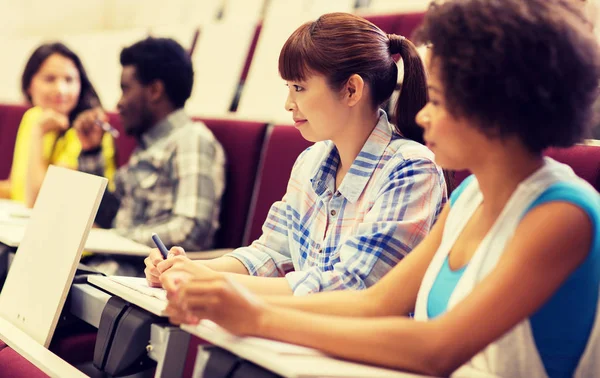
[164,127]
[363,166]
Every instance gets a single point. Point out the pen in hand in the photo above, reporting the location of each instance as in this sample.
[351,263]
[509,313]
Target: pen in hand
[108,128]
[161,247]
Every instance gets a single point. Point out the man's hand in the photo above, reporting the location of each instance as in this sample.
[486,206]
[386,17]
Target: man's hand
[89,129]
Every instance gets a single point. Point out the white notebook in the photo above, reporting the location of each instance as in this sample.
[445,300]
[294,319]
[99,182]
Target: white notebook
[108,241]
[141,285]
[207,327]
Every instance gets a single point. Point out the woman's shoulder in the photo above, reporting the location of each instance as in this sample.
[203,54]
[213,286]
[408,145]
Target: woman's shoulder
[403,149]
[405,155]
[30,116]
[33,112]
[576,192]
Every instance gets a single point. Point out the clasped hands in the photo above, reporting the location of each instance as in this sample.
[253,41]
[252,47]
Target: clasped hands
[196,292]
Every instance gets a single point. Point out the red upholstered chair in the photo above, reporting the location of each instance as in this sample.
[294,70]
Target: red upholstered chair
[282,147]
[124,144]
[75,347]
[10,118]
[584,159]
[13,365]
[401,24]
[242,142]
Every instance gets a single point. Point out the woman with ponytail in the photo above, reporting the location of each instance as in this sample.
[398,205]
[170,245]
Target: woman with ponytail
[507,282]
[365,193]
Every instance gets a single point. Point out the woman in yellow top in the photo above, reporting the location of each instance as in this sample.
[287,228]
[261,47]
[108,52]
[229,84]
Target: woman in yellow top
[56,84]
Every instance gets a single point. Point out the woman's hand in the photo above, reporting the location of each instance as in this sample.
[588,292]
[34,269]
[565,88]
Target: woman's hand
[51,120]
[202,293]
[156,264]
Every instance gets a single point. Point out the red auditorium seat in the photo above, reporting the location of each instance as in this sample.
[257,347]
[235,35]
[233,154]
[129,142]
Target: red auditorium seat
[243,143]
[584,159]
[10,118]
[75,347]
[401,24]
[14,365]
[124,144]
[282,147]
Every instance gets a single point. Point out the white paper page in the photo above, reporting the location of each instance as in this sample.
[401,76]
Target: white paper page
[108,241]
[10,219]
[260,343]
[12,212]
[140,285]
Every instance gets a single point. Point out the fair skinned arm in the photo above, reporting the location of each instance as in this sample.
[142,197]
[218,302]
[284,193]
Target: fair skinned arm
[379,300]
[526,276]
[176,266]
[50,121]
[267,256]
[156,265]
[382,299]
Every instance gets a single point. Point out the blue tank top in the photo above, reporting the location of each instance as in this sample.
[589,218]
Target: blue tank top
[561,327]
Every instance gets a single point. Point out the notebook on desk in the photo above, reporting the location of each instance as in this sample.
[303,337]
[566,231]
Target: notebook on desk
[122,287]
[98,240]
[13,213]
[43,268]
[137,291]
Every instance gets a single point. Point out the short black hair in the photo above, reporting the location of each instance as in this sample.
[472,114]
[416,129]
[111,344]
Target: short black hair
[525,68]
[88,98]
[162,59]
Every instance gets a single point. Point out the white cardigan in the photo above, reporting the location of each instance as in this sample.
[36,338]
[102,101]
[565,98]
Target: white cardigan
[515,353]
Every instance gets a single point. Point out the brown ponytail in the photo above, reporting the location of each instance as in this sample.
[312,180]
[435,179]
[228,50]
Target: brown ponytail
[413,94]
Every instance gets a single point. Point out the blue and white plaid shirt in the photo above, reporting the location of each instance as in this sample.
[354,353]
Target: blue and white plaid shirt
[321,239]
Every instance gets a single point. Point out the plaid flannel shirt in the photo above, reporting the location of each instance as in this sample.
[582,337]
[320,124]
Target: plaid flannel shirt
[172,185]
[321,239]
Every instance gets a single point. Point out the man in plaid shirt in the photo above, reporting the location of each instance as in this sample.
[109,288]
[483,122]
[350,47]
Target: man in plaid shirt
[175,178]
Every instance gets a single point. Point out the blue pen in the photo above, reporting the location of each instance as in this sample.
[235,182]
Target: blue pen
[161,247]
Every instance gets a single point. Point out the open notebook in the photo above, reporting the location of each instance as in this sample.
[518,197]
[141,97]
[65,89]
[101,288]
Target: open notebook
[140,285]
[211,331]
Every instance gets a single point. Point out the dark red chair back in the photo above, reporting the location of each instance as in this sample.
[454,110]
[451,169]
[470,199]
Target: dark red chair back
[12,364]
[400,24]
[124,144]
[282,147]
[242,142]
[10,119]
[584,159]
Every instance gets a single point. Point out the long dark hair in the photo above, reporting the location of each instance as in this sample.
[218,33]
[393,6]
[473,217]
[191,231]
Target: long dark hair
[88,98]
